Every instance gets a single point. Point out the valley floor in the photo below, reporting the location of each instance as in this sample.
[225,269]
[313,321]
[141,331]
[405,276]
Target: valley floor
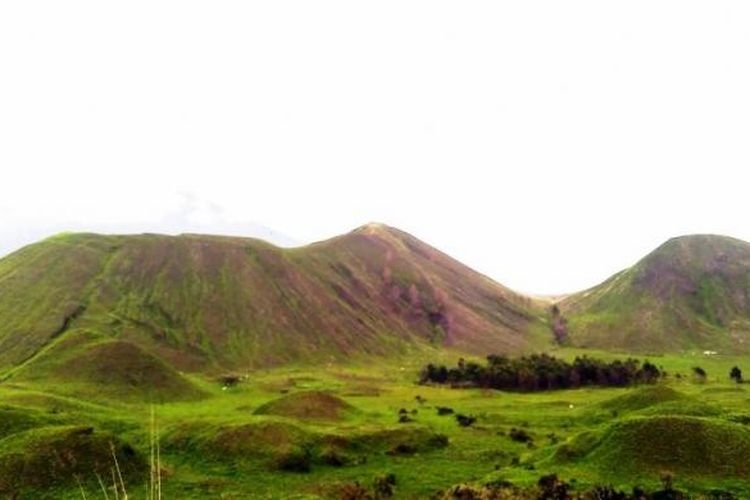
[305,432]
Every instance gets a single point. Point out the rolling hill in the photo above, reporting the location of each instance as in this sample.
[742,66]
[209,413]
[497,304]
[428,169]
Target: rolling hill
[693,292]
[202,303]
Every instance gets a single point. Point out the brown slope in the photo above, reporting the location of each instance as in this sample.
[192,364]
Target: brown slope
[207,301]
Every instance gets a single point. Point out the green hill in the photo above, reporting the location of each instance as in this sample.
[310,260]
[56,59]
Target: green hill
[207,302]
[693,292]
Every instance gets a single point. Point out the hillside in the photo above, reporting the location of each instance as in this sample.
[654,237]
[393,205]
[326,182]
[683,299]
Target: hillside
[693,292]
[210,302]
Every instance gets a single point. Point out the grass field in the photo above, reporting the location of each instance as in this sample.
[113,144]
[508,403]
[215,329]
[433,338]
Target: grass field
[301,432]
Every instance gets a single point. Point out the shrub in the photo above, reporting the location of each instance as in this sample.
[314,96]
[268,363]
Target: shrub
[700,374]
[520,435]
[736,374]
[384,486]
[552,488]
[465,420]
[444,410]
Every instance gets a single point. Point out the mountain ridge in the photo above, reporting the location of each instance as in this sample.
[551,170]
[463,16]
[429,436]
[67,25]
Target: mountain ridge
[201,301]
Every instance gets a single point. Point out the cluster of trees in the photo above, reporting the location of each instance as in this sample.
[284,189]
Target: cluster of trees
[735,374]
[540,372]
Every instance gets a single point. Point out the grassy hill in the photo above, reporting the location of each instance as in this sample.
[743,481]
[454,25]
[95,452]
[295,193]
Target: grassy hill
[693,292]
[214,303]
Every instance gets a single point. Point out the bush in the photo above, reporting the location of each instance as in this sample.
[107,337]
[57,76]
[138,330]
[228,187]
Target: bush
[552,488]
[465,420]
[520,435]
[736,374]
[385,486]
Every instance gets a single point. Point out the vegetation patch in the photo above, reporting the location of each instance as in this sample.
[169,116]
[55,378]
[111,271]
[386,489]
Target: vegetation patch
[14,419]
[312,405]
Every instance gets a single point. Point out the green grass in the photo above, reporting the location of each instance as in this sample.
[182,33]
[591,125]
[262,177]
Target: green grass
[222,445]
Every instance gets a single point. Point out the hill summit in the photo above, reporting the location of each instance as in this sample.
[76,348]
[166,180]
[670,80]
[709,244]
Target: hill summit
[201,302]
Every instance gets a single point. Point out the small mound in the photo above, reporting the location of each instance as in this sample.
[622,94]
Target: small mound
[55,456]
[120,369]
[643,397]
[401,440]
[688,406]
[252,440]
[259,438]
[312,405]
[684,445]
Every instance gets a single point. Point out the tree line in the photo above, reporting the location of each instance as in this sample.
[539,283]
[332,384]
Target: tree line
[542,372]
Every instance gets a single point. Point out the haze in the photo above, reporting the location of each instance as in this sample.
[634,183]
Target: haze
[546,144]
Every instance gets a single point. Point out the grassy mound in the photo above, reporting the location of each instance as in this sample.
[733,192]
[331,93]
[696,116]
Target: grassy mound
[685,445]
[313,405]
[116,368]
[396,441]
[250,440]
[643,397]
[50,457]
[264,438]
[687,406]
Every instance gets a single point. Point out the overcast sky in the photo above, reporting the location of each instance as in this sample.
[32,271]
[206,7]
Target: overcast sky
[547,144]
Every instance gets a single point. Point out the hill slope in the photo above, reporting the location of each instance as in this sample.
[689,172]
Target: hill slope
[691,292]
[207,301]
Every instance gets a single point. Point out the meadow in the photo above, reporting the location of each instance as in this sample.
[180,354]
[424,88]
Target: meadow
[312,432]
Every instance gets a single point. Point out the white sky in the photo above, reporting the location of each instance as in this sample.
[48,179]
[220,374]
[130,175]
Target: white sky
[545,143]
